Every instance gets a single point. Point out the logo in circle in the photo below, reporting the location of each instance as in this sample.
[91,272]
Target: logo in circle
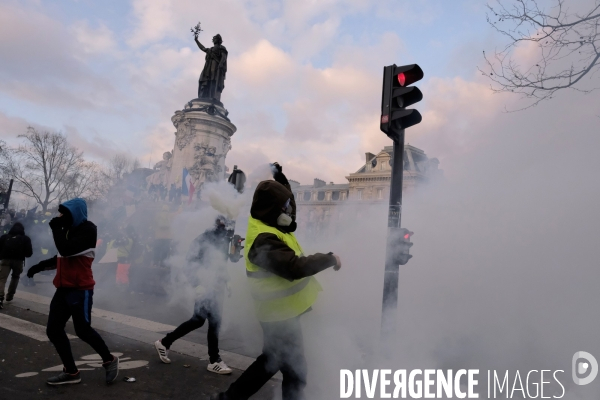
[584,363]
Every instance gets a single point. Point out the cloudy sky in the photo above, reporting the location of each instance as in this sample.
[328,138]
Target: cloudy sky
[303,86]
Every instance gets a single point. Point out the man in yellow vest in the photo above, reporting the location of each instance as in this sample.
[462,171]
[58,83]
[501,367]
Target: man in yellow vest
[283,288]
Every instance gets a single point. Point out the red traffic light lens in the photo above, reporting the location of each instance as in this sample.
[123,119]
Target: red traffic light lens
[401,78]
[407,236]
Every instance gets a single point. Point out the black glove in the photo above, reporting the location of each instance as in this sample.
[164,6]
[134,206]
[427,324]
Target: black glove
[278,168]
[55,223]
[278,174]
[34,270]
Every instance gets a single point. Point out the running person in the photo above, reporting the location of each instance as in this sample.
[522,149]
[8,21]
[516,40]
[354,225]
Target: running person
[208,253]
[75,239]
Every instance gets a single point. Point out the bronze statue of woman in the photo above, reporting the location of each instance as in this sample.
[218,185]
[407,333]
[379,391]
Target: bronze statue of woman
[212,78]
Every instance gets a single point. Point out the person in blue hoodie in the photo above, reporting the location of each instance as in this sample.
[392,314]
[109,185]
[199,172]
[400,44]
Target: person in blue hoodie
[75,239]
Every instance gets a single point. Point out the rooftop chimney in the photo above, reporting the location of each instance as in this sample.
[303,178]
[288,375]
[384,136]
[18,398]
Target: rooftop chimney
[369,157]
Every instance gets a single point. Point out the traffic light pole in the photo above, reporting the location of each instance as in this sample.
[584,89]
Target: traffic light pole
[396,95]
[390,280]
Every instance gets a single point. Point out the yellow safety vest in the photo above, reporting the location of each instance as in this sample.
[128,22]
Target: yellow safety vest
[276,298]
[124,250]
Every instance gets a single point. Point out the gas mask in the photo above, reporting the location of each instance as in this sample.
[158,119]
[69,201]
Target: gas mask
[285,218]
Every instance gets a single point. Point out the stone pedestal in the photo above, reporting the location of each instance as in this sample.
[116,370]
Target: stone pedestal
[202,140]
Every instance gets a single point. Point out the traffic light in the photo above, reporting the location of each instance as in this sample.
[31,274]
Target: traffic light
[235,248]
[237,179]
[401,244]
[404,246]
[397,95]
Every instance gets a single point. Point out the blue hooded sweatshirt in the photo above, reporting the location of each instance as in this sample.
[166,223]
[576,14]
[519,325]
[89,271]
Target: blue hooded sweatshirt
[76,247]
[78,209]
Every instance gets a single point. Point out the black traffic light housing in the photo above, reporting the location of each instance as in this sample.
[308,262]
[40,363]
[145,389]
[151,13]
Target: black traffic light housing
[397,95]
[235,248]
[237,179]
[400,244]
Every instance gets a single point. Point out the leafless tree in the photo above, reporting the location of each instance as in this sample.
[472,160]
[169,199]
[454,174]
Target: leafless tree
[119,165]
[47,169]
[4,179]
[565,46]
[89,181]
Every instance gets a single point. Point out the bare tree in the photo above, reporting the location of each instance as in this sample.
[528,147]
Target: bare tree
[47,169]
[4,179]
[565,43]
[119,165]
[90,181]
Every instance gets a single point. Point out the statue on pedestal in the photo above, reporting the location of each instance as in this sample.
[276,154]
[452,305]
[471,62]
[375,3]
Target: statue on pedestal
[163,169]
[212,78]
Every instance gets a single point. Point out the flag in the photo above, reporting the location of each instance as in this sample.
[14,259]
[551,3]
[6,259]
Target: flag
[187,186]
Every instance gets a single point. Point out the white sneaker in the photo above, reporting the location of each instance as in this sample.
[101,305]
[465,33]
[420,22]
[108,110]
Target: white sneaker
[219,368]
[163,352]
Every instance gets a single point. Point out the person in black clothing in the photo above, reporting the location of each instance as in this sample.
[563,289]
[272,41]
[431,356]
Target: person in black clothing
[172,192]
[75,239]
[211,281]
[15,246]
[283,287]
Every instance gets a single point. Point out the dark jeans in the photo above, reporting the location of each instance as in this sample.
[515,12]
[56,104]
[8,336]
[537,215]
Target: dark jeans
[283,350]
[6,267]
[74,303]
[204,310]
[162,250]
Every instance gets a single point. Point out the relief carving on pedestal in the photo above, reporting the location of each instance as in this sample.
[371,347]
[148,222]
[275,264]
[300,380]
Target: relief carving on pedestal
[226,146]
[185,133]
[206,166]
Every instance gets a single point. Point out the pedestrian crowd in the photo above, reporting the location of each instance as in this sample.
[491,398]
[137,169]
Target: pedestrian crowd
[280,276]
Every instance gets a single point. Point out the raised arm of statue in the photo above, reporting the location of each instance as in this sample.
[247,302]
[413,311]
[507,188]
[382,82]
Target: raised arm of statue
[200,44]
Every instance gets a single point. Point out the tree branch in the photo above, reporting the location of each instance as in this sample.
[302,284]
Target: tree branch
[566,45]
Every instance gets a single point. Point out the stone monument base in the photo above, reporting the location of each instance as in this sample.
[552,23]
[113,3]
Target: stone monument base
[202,140]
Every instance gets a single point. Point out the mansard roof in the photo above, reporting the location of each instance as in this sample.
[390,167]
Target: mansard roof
[417,155]
[329,186]
[387,152]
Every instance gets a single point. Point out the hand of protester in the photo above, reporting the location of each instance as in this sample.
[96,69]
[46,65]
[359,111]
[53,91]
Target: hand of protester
[338,263]
[278,175]
[55,223]
[34,270]
[278,167]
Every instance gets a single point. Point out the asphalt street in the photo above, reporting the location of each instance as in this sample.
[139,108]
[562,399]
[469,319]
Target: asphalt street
[27,358]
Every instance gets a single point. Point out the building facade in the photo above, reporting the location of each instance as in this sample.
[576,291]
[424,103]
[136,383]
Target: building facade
[319,204]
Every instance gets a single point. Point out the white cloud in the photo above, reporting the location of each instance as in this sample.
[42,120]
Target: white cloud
[285,108]
[154,21]
[93,41]
[262,65]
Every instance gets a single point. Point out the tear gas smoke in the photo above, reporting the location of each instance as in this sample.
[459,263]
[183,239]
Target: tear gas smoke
[503,277]
[224,198]
[504,274]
